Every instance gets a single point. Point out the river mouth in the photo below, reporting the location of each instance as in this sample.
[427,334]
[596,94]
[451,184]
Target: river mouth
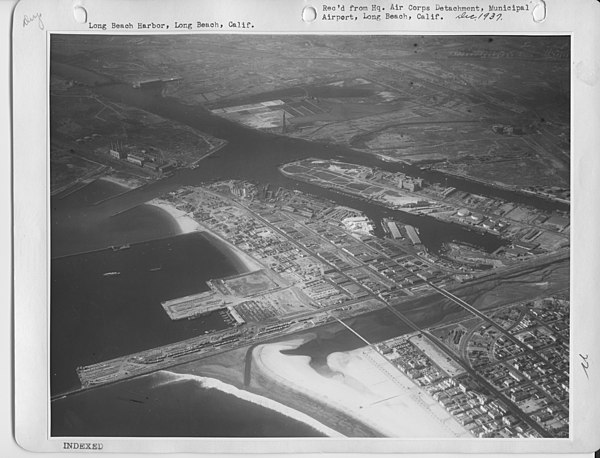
[256,156]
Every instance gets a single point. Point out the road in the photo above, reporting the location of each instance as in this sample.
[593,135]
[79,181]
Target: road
[257,340]
[518,413]
[251,343]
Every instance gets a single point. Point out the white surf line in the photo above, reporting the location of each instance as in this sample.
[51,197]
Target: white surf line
[268,403]
[354,332]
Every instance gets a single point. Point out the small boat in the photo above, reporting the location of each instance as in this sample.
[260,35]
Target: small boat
[154,269]
[111,274]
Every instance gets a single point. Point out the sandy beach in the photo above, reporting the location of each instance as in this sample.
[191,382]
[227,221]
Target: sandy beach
[362,385]
[229,368]
[243,262]
[186,223]
[246,262]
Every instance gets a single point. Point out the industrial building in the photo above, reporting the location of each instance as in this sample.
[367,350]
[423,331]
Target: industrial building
[412,235]
[137,160]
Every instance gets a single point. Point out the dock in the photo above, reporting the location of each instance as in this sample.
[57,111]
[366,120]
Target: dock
[192,306]
[412,235]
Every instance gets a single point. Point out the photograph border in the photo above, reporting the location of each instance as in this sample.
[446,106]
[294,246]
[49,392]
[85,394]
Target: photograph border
[25,244]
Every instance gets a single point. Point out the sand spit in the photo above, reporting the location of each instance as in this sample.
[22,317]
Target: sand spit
[363,385]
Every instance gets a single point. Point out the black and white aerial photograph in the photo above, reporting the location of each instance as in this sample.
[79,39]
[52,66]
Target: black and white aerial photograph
[309,236]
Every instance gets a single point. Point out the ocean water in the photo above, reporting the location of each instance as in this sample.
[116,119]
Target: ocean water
[165,404]
[88,219]
[96,315]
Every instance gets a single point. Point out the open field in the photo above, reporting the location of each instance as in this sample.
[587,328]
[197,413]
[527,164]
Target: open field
[87,126]
[250,284]
[68,169]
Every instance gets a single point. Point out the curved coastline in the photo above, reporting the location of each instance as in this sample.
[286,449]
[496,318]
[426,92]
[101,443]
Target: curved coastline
[230,368]
[213,383]
[242,262]
[360,387]
[185,223]
[343,401]
[294,371]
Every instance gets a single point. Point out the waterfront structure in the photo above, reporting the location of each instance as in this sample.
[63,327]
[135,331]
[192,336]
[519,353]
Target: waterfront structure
[412,235]
[359,224]
[394,229]
[192,306]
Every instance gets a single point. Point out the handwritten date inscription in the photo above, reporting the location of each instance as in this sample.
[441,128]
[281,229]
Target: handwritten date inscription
[480,17]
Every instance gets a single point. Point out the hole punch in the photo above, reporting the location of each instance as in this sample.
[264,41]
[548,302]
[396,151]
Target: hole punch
[309,14]
[539,11]
[80,14]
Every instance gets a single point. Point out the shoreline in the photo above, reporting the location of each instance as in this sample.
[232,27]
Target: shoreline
[243,262]
[185,223]
[229,368]
[208,382]
[273,373]
[498,185]
[126,186]
[386,402]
